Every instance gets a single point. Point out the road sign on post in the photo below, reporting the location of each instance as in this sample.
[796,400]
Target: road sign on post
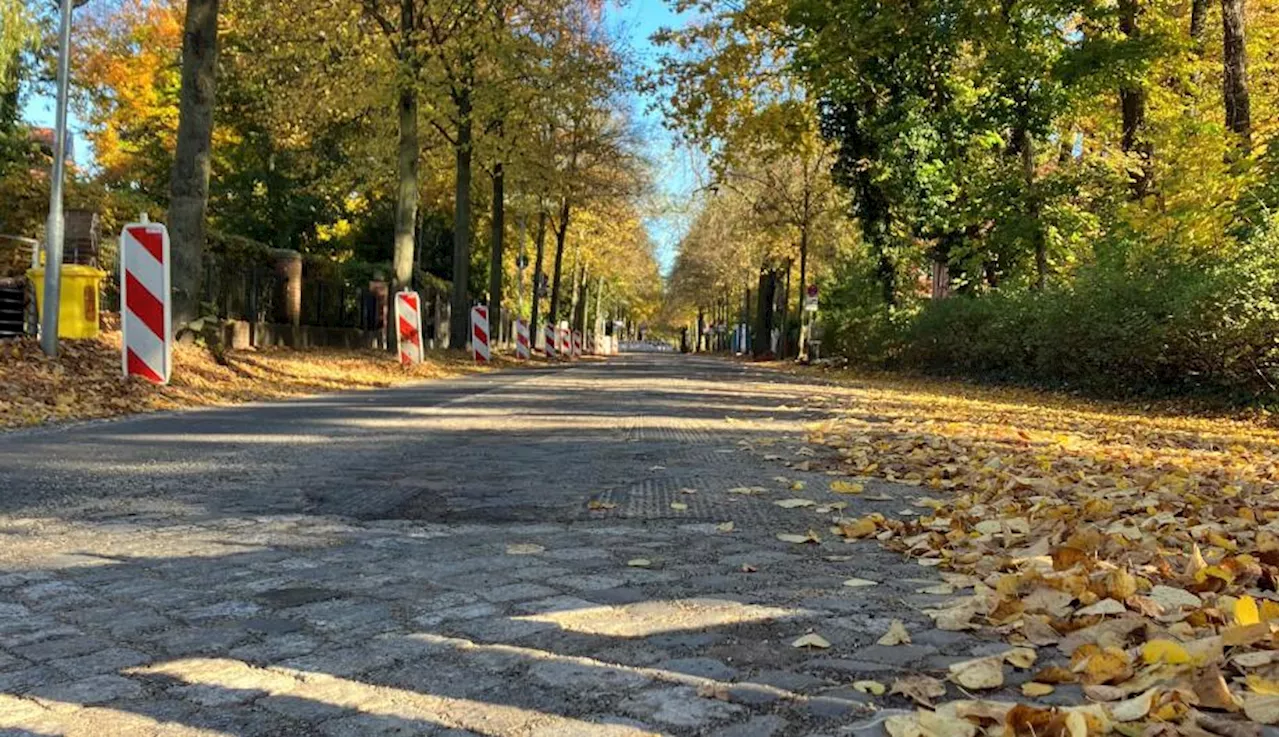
[811,298]
[145,302]
[409,327]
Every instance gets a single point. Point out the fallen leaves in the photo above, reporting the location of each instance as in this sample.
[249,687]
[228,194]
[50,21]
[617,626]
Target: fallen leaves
[897,634]
[525,549]
[84,381]
[808,537]
[596,505]
[1144,548]
[919,688]
[875,688]
[639,562]
[679,506]
[857,583]
[979,673]
[811,640]
[840,486]
[794,503]
[725,527]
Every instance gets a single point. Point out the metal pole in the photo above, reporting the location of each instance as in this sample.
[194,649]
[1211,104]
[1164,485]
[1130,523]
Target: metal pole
[54,227]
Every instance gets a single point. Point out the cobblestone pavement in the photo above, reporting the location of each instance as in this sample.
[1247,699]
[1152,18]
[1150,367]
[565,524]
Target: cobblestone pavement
[424,561]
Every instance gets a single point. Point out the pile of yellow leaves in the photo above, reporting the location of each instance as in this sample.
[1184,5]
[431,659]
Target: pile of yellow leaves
[84,381]
[1142,548]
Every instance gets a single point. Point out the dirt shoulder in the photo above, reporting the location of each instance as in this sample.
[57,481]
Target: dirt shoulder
[84,381]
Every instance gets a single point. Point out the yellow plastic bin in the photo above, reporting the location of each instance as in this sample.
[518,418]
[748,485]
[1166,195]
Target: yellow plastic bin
[78,300]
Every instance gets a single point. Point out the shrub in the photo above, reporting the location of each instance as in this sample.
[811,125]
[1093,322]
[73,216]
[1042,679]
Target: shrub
[1199,325]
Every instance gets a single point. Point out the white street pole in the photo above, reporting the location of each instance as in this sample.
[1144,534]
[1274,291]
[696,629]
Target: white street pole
[54,227]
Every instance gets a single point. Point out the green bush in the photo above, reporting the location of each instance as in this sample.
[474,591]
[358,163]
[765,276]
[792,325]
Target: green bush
[1202,325]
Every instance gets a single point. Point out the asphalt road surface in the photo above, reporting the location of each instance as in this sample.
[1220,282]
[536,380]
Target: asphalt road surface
[523,553]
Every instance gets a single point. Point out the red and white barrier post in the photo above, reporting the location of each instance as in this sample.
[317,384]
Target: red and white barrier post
[409,327]
[144,294]
[577,344]
[562,345]
[549,341]
[522,338]
[480,333]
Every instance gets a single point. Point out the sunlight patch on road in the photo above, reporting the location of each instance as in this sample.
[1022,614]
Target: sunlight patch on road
[38,717]
[653,617]
[409,709]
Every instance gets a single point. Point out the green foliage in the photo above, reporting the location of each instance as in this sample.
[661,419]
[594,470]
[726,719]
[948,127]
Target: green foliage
[1159,327]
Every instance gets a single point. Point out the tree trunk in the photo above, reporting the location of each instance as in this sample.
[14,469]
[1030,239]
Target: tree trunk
[804,265]
[1027,149]
[189,184]
[406,193]
[760,346]
[1199,13]
[541,239]
[562,229]
[1235,79]
[495,250]
[1133,111]
[460,317]
[580,303]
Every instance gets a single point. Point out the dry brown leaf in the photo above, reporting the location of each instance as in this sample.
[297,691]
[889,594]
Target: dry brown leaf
[1020,657]
[919,688]
[794,503]
[809,537]
[1211,690]
[979,673]
[1106,606]
[1034,689]
[1261,708]
[856,583]
[725,527]
[897,634]
[875,688]
[935,724]
[1131,710]
[524,549]
[811,640]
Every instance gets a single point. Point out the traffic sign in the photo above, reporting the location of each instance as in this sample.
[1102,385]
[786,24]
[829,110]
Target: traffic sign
[811,298]
[145,302]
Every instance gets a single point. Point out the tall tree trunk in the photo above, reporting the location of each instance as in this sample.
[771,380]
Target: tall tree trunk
[1235,78]
[460,307]
[580,302]
[1199,14]
[1027,150]
[562,229]
[406,194]
[762,344]
[495,250]
[1133,110]
[804,265]
[189,184]
[541,240]
[597,326]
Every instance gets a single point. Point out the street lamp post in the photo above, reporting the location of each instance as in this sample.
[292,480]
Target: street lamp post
[54,226]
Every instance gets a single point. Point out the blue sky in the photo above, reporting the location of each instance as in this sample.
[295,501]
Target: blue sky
[676,170]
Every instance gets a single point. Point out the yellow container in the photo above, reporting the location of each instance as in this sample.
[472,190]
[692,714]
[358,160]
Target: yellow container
[78,301]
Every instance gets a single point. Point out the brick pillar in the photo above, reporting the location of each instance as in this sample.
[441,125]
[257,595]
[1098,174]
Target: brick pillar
[288,269]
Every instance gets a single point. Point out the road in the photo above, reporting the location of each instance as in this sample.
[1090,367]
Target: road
[522,553]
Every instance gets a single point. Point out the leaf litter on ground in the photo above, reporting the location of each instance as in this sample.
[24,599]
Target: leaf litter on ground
[1142,548]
